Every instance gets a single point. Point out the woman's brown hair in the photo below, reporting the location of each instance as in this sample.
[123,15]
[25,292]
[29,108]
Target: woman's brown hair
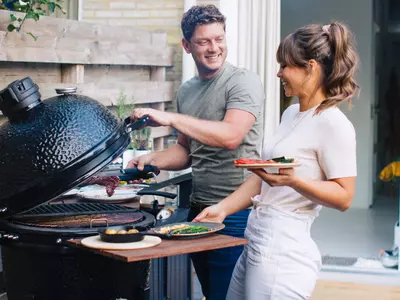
[333,47]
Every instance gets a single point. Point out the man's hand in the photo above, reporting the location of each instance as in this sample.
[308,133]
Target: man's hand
[140,161]
[213,213]
[286,177]
[158,117]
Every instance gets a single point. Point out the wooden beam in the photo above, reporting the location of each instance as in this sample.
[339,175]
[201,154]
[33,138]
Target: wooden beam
[66,28]
[157,73]
[108,94]
[73,42]
[158,132]
[72,73]
[158,143]
[15,47]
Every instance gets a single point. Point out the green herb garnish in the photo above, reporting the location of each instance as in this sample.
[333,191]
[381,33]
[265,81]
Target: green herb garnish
[283,159]
[190,229]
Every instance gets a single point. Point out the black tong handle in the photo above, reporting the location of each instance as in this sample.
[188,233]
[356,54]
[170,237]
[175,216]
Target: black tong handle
[142,122]
[134,173]
[146,169]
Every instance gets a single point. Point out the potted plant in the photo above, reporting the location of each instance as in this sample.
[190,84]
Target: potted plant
[123,110]
[141,142]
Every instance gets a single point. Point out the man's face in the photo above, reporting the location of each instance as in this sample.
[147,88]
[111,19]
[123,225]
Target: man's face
[208,48]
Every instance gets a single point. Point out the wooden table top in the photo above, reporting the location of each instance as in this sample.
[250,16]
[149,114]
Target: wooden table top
[168,247]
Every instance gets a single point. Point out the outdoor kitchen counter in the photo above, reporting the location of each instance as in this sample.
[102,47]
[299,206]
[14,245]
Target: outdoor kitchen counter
[168,247]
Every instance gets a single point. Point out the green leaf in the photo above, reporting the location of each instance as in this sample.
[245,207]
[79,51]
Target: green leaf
[52,6]
[19,20]
[33,15]
[32,35]
[29,15]
[13,18]
[39,11]
[11,27]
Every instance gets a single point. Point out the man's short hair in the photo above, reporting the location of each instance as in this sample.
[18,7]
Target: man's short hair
[198,15]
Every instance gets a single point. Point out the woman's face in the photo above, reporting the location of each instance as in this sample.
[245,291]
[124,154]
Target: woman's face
[299,81]
[293,80]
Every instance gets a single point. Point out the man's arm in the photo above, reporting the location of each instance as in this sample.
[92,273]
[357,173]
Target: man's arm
[228,133]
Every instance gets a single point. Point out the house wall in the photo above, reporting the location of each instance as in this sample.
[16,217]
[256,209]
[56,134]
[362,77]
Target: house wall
[358,14]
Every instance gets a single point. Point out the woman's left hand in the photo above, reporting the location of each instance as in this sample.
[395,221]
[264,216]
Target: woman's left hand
[286,177]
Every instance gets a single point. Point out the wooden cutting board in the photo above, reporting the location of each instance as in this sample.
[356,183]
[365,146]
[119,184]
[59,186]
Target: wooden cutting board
[95,242]
[168,247]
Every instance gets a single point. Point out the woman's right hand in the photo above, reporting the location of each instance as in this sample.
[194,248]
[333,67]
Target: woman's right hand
[213,213]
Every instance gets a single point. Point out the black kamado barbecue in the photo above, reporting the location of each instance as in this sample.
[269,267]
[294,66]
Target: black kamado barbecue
[46,149]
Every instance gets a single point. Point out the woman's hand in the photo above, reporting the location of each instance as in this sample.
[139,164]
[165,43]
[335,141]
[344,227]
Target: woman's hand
[213,213]
[286,177]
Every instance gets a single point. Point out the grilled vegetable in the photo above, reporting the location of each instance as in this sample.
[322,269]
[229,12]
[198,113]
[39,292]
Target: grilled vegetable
[283,159]
[190,229]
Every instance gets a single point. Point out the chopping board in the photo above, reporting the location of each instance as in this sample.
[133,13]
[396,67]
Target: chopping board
[96,243]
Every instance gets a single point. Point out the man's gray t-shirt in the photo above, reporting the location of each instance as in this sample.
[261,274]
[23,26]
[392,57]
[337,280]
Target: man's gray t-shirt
[214,173]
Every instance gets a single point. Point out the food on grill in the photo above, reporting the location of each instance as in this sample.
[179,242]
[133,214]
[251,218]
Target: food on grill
[122,231]
[183,229]
[90,220]
[248,161]
[111,183]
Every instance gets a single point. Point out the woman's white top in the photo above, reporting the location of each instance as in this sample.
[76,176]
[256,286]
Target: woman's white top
[325,146]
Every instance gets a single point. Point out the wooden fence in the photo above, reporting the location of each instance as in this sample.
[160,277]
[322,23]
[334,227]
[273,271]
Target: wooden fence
[102,61]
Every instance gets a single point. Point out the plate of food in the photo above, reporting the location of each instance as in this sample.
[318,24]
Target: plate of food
[121,194]
[188,229]
[182,230]
[277,162]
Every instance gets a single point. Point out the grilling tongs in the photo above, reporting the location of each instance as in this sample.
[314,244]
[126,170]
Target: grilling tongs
[148,171]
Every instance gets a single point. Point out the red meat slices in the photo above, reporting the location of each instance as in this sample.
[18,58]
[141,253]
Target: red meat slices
[110,182]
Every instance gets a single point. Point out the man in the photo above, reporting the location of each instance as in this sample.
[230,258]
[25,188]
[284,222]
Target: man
[219,119]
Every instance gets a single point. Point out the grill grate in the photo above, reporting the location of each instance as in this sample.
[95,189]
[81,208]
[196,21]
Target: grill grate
[74,209]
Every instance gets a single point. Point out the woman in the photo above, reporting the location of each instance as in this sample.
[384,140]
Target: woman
[281,261]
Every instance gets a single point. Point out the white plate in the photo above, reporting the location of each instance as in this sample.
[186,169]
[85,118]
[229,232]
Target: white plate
[121,193]
[96,243]
[270,165]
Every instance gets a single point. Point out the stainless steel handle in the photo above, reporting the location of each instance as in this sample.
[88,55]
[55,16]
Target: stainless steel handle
[66,90]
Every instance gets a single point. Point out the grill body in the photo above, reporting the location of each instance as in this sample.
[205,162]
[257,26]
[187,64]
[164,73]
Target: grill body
[47,272]
[37,264]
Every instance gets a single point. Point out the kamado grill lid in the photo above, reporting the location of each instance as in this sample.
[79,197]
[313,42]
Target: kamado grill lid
[49,147]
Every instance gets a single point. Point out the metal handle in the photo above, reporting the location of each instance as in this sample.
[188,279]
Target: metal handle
[66,90]
[142,122]
[98,220]
[156,193]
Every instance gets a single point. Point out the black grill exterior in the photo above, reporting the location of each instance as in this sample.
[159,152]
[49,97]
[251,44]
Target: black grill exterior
[70,274]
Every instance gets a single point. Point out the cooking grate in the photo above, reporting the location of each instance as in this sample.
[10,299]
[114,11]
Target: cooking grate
[74,209]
